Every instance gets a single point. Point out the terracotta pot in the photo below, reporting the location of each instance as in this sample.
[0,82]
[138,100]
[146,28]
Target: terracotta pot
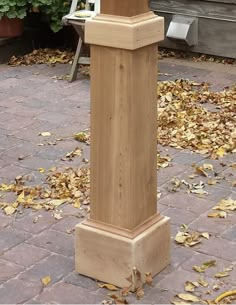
[11,27]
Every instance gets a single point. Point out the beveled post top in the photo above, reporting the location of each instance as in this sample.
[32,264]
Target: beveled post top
[126,8]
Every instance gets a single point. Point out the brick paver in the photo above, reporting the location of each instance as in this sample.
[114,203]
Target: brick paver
[32,101]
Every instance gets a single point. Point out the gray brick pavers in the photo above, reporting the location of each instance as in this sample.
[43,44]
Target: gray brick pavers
[34,102]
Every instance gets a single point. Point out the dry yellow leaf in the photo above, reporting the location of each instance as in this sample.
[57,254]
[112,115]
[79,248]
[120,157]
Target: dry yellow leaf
[57,202]
[212,182]
[206,235]
[77,204]
[81,137]
[221,152]
[9,210]
[46,280]
[221,274]
[41,170]
[188,297]
[108,286]
[6,187]
[226,205]
[202,268]
[208,166]
[202,282]
[213,215]
[21,197]
[189,286]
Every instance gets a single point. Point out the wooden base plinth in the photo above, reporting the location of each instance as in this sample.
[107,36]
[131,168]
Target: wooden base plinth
[110,257]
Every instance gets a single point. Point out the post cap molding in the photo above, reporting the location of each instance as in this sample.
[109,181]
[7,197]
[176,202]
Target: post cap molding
[124,32]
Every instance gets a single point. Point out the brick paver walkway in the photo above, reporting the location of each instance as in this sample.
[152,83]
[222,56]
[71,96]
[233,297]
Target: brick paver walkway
[31,102]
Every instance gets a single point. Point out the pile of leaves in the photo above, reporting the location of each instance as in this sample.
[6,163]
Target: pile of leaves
[184,123]
[168,53]
[43,56]
[190,239]
[71,185]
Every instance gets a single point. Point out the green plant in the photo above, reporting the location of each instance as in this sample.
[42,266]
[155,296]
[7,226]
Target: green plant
[14,8]
[54,10]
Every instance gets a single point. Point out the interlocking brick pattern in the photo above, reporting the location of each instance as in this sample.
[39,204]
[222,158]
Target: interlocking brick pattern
[32,101]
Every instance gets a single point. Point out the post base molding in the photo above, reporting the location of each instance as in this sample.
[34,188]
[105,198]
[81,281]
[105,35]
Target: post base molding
[128,33]
[110,257]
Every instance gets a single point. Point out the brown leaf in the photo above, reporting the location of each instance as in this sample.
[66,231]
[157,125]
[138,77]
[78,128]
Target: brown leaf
[108,286]
[139,293]
[149,279]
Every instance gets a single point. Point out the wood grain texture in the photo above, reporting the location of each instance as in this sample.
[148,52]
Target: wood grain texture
[123,135]
[110,258]
[124,7]
[196,8]
[125,32]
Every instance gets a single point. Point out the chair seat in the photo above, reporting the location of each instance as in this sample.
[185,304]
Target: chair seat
[79,16]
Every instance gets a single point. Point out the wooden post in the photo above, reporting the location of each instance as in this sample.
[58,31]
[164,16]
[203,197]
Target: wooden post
[125,230]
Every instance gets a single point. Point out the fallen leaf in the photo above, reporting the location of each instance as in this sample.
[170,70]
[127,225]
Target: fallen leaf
[22,157]
[222,214]
[221,274]
[202,282]
[202,268]
[77,152]
[148,279]
[139,293]
[199,192]
[57,202]
[189,286]
[45,134]
[226,205]
[220,152]
[188,297]
[212,182]
[117,299]
[46,280]
[35,220]
[77,204]
[200,170]
[188,239]
[69,231]
[108,286]
[206,235]
[213,215]
[208,166]
[216,287]
[57,216]
[41,170]
[224,273]
[9,210]
[81,137]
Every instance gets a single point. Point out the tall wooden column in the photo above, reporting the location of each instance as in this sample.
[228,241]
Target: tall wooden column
[125,230]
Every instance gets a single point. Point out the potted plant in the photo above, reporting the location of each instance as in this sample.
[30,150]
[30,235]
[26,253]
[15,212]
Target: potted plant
[12,13]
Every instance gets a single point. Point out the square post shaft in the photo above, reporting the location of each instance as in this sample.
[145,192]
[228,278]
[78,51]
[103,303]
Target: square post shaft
[125,230]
